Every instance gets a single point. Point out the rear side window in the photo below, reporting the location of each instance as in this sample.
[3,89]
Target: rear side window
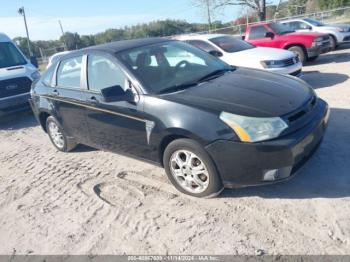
[103,73]
[257,32]
[69,71]
[201,45]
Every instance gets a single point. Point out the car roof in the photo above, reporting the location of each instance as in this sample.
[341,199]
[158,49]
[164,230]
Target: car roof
[119,46]
[4,38]
[198,36]
[292,20]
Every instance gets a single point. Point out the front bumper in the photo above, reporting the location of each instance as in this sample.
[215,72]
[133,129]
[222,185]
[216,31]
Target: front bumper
[246,164]
[317,50]
[14,103]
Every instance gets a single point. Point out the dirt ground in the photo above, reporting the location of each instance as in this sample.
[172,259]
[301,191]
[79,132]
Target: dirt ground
[95,202]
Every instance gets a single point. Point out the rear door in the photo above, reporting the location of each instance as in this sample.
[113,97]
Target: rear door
[116,126]
[67,98]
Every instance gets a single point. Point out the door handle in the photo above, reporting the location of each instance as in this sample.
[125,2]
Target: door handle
[92,100]
[55,92]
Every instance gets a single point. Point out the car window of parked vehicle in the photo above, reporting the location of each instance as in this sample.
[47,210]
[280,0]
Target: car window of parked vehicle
[281,29]
[202,45]
[48,75]
[231,44]
[314,22]
[69,71]
[103,73]
[10,56]
[174,63]
[297,25]
[257,32]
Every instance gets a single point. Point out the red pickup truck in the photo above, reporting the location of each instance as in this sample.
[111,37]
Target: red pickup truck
[307,45]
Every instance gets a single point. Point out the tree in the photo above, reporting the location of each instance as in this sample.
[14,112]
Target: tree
[258,6]
[72,40]
[209,9]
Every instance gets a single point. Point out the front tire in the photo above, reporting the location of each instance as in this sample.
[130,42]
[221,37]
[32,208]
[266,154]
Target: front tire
[191,170]
[300,52]
[58,137]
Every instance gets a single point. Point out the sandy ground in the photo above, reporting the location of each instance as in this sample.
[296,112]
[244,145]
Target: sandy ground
[94,202]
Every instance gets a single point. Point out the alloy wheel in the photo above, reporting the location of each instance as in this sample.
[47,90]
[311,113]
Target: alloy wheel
[56,135]
[189,171]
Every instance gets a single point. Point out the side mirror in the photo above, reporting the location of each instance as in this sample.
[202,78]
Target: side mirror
[309,27]
[269,35]
[117,94]
[34,61]
[215,53]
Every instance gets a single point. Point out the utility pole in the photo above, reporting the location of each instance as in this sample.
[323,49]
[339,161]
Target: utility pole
[209,17]
[22,12]
[64,43]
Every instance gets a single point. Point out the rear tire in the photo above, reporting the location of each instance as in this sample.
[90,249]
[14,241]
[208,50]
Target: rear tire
[191,170]
[58,136]
[300,52]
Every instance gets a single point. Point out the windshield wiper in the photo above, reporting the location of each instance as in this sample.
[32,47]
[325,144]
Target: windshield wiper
[177,87]
[215,74]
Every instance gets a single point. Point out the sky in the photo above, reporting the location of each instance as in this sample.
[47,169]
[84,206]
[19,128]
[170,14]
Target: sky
[92,16]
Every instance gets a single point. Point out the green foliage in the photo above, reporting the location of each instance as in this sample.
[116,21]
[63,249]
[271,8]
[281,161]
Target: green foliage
[72,41]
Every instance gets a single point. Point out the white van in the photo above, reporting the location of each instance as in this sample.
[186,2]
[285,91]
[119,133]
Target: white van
[16,76]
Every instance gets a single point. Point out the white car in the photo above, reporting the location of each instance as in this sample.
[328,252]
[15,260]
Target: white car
[55,57]
[339,33]
[16,76]
[237,52]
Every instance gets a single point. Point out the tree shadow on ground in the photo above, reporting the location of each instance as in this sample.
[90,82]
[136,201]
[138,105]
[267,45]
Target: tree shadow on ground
[321,80]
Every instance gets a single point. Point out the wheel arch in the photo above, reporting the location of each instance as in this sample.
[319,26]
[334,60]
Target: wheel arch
[173,134]
[43,115]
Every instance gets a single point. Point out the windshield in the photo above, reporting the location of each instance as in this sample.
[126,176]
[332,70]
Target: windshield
[314,22]
[281,29]
[10,56]
[231,44]
[170,65]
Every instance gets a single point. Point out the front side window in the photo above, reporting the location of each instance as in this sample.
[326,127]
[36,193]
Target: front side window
[231,44]
[257,32]
[103,73]
[169,64]
[297,25]
[69,71]
[10,56]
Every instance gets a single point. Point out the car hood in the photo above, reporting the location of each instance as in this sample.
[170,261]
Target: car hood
[334,26]
[263,53]
[304,34]
[248,92]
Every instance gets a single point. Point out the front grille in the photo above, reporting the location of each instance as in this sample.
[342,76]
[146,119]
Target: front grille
[325,38]
[14,86]
[290,61]
[306,109]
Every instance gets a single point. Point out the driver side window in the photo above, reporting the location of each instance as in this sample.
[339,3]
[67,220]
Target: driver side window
[103,73]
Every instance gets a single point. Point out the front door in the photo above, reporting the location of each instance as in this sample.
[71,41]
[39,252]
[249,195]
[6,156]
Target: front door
[66,96]
[116,126]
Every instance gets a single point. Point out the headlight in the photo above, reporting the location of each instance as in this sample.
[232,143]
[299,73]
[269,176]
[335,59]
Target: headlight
[272,64]
[36,75]
[341,30]
[254,129]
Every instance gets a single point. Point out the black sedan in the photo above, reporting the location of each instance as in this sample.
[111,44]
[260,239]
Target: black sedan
[208,124]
